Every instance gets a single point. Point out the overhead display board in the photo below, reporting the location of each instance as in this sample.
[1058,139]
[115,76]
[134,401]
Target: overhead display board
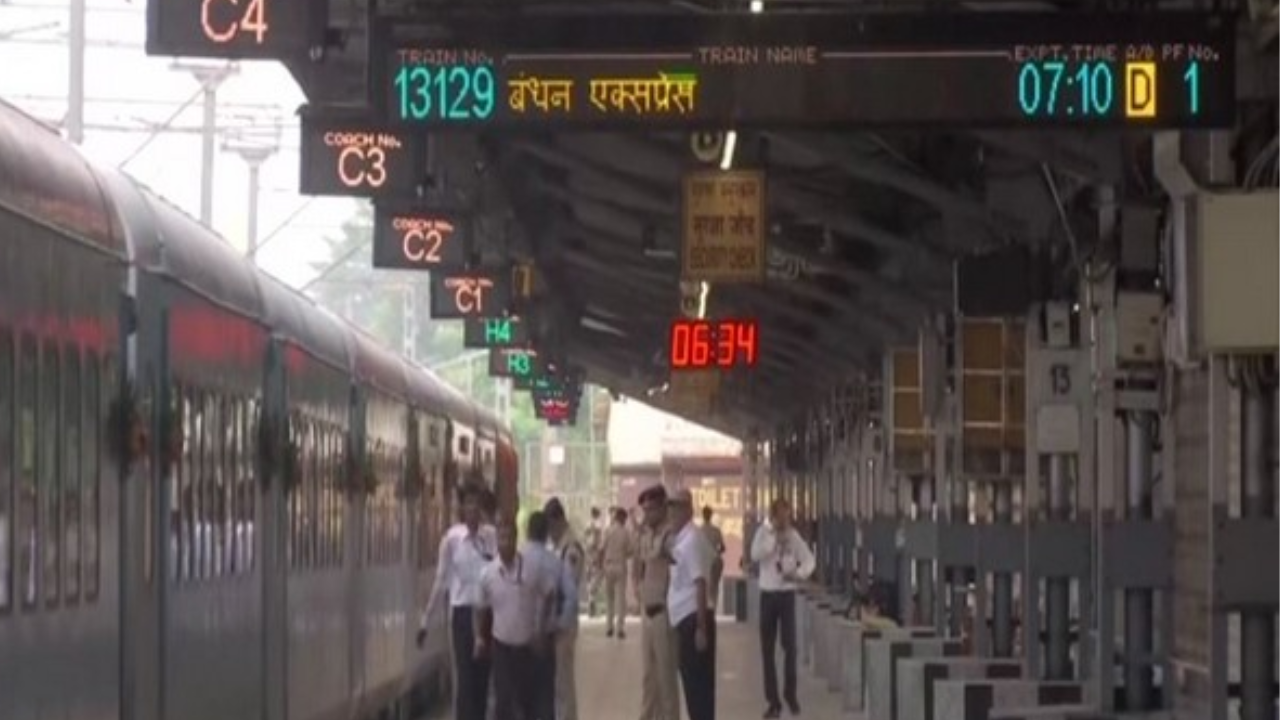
[459,294]
[819,70]
[502,332]
[354,157]
[234,29]
[515,363]
[724,226]
[703,344]
[420,239]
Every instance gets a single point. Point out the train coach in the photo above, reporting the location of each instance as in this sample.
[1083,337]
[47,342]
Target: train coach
[217,500]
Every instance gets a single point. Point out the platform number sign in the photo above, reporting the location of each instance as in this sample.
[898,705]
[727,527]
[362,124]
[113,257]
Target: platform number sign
[1060,379]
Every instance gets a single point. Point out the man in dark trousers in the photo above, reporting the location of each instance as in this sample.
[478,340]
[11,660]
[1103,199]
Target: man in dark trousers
[517,592]
[689,607]
[785,561]
[465,550]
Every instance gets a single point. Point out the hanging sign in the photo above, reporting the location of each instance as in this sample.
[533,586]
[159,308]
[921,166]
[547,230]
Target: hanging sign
[419,239]
[693,392]
[724,226]
[469,294]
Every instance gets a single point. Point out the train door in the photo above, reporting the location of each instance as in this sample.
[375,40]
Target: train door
[141,504]
[271,540]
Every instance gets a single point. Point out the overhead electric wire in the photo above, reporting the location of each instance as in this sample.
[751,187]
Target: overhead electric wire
[156,132]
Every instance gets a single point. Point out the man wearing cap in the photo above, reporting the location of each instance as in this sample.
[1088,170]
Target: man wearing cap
[689,609]
[572,558]
[616,556]
[661,691]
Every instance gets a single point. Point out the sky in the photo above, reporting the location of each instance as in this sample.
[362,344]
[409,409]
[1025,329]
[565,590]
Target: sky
[126,91]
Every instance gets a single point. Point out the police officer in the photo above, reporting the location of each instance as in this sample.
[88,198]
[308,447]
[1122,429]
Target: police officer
[661,692]
[617,552]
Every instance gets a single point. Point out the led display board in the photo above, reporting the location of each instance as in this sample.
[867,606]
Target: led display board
[821,70]
[353,157]
[501,332]
[234,29]
[420,239]
[705,344]
[460,294]
[514,363]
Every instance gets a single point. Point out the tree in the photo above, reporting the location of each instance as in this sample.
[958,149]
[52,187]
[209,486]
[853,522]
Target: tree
[375,300]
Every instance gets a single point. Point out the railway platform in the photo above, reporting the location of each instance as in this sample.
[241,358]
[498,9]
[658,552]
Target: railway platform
[609,673]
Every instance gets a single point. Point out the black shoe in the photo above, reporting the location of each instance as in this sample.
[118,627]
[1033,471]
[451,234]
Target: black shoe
[774,711]
[622,635]
[610,633]
[794,706]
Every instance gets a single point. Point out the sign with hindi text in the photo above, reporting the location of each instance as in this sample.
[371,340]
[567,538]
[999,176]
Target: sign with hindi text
[724,226]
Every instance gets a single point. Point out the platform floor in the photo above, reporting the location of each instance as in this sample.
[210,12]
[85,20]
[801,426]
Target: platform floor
[609,672]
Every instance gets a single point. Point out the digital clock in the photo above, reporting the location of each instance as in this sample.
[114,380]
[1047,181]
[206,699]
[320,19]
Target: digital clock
[705,344]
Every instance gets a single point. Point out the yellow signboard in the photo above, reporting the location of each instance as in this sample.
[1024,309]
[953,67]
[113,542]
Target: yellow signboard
[724,226]
[694,391]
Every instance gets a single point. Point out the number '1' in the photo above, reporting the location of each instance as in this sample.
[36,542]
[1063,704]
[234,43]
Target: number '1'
[1192,78]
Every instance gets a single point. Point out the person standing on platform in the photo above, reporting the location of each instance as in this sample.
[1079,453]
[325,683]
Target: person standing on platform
[661,689]
[593,538]
[465,550]
[715,539]
[573,560]
[785,561]
[517,593]
[617,552]
[689,608]
[538,552]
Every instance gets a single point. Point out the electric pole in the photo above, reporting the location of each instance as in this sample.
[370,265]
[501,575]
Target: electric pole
[254,152]
[75,83]
[210,79]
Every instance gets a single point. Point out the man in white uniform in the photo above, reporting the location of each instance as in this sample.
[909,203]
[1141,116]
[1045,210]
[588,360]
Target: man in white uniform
[689,607]
[517,591]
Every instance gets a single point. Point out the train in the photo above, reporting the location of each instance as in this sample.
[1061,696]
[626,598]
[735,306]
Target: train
[218,501]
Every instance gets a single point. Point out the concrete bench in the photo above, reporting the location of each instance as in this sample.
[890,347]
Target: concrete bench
[882,656]
[917,676]
[976,699]
[853,639]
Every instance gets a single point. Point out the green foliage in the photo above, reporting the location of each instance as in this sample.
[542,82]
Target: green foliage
[375,300]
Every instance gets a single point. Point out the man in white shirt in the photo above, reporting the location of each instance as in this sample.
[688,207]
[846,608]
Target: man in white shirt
[518,592]
[785,561]
[689,607]
[715,538]
[465,550]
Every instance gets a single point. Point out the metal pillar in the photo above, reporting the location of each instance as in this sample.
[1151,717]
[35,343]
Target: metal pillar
[924,567]
[1002,582]
[1257,625]
[958,600]
[1058,589]
[210,79]
[1138,623]
[75,81]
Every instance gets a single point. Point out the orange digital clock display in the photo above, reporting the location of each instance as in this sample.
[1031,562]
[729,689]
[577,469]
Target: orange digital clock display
[707,344]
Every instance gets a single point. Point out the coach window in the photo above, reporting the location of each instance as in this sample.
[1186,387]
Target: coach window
[251,476]
[71,472]
[91,457]
[7,464]
[51,493]
[28,490]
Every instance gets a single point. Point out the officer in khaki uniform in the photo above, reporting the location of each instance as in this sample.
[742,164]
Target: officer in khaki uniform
[661,688]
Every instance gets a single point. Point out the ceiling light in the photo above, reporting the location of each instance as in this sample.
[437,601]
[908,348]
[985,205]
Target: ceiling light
[757,6]
[704,289]
[730,144]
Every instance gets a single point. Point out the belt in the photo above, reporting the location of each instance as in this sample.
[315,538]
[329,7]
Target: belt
[652,610]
